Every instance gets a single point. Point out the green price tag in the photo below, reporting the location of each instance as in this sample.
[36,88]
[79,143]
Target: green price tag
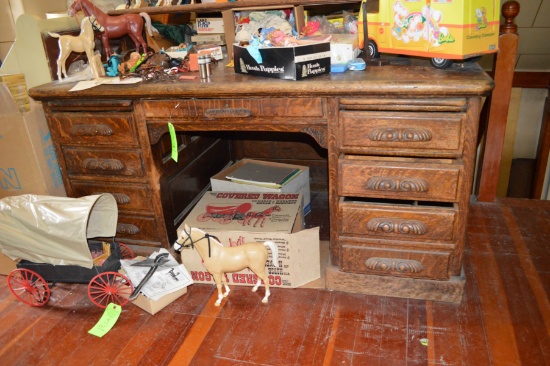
[107,321]
[174,142]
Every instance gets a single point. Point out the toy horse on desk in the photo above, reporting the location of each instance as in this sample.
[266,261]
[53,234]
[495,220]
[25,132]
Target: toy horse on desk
[219,259]
[81,43]
[115,26]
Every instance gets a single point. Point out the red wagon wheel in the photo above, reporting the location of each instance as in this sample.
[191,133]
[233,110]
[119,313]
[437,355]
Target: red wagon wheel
[125,252]
[110,287]
[29,287]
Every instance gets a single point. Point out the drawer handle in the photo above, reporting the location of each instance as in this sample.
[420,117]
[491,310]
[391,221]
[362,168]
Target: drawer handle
[397,226]
[394,265]
[103,164]
[400,134]
[227,113]
[91,130]
[128,229]
[397,184]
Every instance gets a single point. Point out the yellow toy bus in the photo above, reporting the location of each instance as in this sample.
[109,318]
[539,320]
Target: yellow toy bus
[444,30]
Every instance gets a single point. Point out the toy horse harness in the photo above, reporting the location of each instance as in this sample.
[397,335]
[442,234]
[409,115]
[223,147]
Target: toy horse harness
[192,243]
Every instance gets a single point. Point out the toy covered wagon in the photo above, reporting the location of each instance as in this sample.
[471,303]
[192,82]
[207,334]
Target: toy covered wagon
[61,239]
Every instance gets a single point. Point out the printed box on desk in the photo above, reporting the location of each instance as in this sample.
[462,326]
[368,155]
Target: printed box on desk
[239,217]
[299,184]
[289,63]
[210,25]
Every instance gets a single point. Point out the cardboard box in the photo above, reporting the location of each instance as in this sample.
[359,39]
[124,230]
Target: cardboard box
[289,63]
[300,184]
[299,253]
[453,30]
[18,90]
[153,307]
[6,264]
[343,48]
[217,39]
[210,49]
[28,164]
[210,25]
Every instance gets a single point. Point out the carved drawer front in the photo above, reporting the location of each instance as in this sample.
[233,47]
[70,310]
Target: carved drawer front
[129,197]
[399,178]
[115,129]
[403,133]
[139,229]
[103,162]
[397,222]
[235,108]
[394,262]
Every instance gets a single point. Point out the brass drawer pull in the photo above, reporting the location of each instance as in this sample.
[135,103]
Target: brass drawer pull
[128,229]
[394,265]
[103,164]
[400,134]
[227,113]
[91,130]
[397,184]
[386,225]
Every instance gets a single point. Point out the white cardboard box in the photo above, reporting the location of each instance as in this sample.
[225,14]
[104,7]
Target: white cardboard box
[300,184]
[28,164]
[343,48]
[210,25]
[299,253]
[153,307]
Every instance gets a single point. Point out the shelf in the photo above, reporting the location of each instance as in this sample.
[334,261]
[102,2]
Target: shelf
[218,7]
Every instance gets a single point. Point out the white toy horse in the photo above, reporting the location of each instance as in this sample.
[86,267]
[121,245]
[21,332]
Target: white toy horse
[219,259]
[81,43]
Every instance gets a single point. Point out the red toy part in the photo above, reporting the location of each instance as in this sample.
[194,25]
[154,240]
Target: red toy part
[125,252]
[29,287]
[110,287]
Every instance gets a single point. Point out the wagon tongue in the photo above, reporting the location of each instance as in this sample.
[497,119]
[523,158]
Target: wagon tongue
[150,262]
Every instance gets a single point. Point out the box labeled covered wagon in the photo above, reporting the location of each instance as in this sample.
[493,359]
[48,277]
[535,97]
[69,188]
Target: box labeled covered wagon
[239,217]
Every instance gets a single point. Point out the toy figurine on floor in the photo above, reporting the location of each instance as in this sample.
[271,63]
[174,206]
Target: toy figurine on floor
[219,260]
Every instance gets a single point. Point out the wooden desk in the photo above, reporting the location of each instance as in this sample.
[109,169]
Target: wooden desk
[401,151]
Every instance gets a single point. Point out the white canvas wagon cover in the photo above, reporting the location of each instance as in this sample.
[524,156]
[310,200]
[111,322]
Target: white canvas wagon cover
[54,230]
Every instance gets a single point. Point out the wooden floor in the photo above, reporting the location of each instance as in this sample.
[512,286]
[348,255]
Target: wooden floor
[504,318]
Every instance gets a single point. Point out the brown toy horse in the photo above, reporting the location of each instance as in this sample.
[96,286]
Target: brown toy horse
[219,259]
[115,26]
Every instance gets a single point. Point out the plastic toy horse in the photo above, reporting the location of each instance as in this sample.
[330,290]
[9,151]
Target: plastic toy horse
[81,43]
[115,26]
[219,259]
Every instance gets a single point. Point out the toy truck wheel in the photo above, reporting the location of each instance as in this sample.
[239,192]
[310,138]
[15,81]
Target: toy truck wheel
[372,49]
[441,63]
[110,287]
[29,287]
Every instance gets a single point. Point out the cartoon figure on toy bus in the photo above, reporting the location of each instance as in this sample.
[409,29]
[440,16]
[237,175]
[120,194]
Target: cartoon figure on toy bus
[445,31]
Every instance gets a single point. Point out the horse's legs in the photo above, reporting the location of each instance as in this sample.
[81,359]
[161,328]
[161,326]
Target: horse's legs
[224,281]
[106,47]
[218,280]
[262,277]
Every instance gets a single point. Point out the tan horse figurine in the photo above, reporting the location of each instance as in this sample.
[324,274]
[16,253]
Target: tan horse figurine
[81,43]
[219,259]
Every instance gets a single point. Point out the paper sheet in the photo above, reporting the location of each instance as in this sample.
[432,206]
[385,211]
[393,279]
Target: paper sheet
[167,279]
[87,84]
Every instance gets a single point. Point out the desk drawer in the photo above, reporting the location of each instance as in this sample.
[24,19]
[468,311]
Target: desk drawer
[129,197]
[399,178]
[401,133]
[375,260]
[396,222]
[115,129]
[236,108]
[103,162]
[138,228]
